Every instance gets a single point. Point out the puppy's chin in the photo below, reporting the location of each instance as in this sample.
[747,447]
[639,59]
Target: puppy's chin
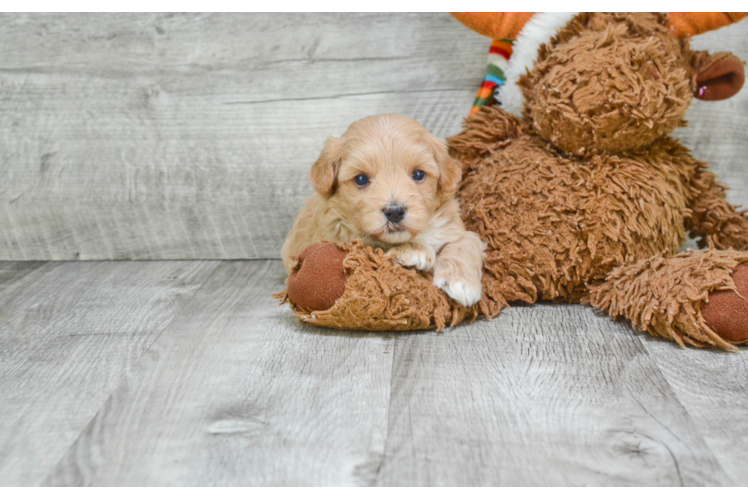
[390,234]
[395,236]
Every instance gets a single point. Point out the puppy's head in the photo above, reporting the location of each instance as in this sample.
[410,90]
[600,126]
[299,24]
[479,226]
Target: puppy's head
[385,177]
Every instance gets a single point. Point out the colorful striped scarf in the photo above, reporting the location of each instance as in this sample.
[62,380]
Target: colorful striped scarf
[498,58]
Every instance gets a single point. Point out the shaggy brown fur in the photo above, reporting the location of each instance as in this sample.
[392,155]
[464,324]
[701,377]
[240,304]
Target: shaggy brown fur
[587,200]
[561,223]
[664,296]
[713,217]
[382,295]
[608,82]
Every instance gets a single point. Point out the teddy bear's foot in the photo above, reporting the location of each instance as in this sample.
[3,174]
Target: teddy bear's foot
[726,311]
[349,286]
[318,277]
[692,298]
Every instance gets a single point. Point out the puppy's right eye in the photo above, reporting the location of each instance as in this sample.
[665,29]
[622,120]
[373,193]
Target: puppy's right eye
[361,180]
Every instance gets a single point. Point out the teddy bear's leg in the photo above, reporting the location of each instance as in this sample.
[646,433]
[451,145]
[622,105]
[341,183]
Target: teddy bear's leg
[713,217]
[350,286]
[670,297]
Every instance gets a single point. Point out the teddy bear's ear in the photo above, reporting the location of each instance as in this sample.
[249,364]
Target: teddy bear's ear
[325,170]
[716,76]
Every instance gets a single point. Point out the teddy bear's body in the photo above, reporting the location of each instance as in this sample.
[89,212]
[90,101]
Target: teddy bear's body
[562,224]
[588,198]
[557,226]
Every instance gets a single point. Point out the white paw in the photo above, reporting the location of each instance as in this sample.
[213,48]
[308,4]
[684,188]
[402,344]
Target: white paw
[412,258]
[465,294]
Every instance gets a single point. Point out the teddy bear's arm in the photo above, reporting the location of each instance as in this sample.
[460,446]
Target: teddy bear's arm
[484,132]
[713,217]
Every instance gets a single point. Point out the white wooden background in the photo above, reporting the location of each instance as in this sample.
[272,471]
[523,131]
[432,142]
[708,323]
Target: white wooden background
[189,136]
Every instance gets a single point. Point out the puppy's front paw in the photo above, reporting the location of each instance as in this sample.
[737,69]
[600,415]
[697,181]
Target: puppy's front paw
[459,269]
[413,256]
[463,287]
[466,294]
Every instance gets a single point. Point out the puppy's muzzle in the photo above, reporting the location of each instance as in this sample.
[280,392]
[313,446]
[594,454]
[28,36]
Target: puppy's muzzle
[394,212]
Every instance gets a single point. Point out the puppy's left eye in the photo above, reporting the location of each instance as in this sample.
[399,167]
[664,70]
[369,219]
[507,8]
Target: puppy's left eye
[361,180]
[418,175]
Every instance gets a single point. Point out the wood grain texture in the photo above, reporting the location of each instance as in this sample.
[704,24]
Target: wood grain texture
[13,274]
[237,392]
[547,395]
[66,337]
[188,136]
[713,388]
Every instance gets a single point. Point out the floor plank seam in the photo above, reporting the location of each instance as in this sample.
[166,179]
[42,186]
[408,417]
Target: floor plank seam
[642,341]
[26,279]
[338,96]
[375,481]
[123,377]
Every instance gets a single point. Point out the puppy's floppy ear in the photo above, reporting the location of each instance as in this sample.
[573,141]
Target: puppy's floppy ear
[450,171]
[451,175]
[324,172]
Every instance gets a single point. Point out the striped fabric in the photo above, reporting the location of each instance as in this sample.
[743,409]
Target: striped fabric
[498,58]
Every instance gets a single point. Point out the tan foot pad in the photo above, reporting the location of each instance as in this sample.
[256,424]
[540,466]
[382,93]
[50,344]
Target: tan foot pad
[319,278]
[727,312]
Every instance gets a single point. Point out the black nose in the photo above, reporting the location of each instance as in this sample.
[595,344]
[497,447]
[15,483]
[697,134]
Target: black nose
[394,212]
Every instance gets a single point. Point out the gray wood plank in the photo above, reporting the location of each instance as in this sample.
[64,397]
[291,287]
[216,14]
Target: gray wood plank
[12,274]
[547,395]
[713,387]
[235,391]
[238,392]
[231,191]
[190,136]
[250,53]
[66,338]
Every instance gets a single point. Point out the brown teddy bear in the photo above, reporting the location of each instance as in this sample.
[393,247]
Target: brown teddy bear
[587,199]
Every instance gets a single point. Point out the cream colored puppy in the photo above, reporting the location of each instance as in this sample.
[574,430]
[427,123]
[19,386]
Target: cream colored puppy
[390,183]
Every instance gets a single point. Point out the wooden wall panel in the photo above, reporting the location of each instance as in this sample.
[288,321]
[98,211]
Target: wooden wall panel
[186,136]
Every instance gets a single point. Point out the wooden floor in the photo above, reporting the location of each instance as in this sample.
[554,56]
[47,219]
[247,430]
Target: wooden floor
[185,373]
